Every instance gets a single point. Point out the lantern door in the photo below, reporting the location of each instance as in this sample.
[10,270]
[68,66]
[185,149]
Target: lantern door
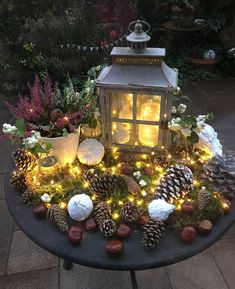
[135,120]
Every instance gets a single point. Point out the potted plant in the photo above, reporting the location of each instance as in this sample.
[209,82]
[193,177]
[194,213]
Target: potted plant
[55,115]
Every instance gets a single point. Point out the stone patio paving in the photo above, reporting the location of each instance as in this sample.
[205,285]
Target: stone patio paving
[24,265]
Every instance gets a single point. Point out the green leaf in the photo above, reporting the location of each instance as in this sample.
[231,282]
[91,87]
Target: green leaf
[146,179]
[20,125]
[49,146]
[194,138]
[38,149]
[20,133]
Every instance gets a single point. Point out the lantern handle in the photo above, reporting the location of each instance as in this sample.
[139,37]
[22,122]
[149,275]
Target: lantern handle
[139,22]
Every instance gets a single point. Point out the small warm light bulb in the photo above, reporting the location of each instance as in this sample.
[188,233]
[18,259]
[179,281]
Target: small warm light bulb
[152,153]
[115,216]
[131,199]
[62,205]
[143,193]
[52,182]
[86,185]
[139,202]
[162,147]
[120,203]
[109,201]
[169,156]
[93,198]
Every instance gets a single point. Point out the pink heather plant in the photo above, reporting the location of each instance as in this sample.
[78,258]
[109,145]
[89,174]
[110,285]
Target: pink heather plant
[53,113]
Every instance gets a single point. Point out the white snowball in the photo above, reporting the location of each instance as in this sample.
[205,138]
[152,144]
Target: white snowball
[159,210]
[90,152]
[209,141]
[80,207]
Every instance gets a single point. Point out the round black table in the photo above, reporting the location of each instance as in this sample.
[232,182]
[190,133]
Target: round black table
[92,252]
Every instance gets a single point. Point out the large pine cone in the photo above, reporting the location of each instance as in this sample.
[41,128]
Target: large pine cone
[102,212]
[221,173]
[176,183]
[203,198]
[132,185]
[89,175]
[19,181]
[108,228]
[24,160]
[104,185]
[130,212]
[152,235]
[58,217]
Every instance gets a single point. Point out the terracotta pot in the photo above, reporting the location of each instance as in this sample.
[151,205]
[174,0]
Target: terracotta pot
[65,147]
[209,65]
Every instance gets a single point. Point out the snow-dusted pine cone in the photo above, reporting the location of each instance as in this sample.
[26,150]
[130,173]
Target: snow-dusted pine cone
[152,234]
[58,217]
[130,212]
[176,183]
[101,212]
[24,160]
[108,228]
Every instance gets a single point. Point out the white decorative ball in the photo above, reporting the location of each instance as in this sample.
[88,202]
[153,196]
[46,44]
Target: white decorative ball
[80,207]
[90,152]
[159,210]
[209,142]
[209,54]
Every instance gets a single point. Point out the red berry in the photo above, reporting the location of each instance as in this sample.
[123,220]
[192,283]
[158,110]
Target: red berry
[148,171]
[188,234]
[142,220]
[114,34]
[126,169]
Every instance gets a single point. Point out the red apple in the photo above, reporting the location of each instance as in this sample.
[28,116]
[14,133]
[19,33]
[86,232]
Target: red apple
[126,169]
[142,220]
[90,225]
[75,235]
[114,34]
[188,234]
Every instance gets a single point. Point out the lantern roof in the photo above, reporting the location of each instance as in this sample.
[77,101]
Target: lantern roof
[138,66]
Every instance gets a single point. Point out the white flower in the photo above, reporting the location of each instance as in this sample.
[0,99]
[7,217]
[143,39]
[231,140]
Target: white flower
[182,108]
[137,174]
[173,110]
[174,126]
[177,120]
[7,128]
[201,118]
[197,130]
[201,125]
[186,132]
[30,142]
[142,183]
[46,198]
[36,134]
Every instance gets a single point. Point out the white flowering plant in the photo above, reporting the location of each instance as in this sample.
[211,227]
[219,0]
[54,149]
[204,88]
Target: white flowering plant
[187,127]
[31,140]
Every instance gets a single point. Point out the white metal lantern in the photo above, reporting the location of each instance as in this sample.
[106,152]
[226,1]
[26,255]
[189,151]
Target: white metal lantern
[136,94]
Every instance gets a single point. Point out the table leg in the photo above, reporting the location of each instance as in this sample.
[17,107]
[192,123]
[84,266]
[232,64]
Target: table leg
[67,265]
[133,279]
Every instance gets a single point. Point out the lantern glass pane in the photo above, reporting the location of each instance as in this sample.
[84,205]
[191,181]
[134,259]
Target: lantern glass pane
[147,135]
[148,107]
[122,105]
[121,132]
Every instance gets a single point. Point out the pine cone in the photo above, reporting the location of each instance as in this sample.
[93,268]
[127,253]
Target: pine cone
[203,198]
[161,161]
[176,183]
[132,185]
[89,175]
[220,172]
[19,181]
[27,196]
[102,212]
[127,158]
[130,212]
[58,217]
[104,184]
[24,160]
[108,228]
[152,235]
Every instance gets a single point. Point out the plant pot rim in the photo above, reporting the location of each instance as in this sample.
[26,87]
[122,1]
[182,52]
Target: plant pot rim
[202,61]
[58,137]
